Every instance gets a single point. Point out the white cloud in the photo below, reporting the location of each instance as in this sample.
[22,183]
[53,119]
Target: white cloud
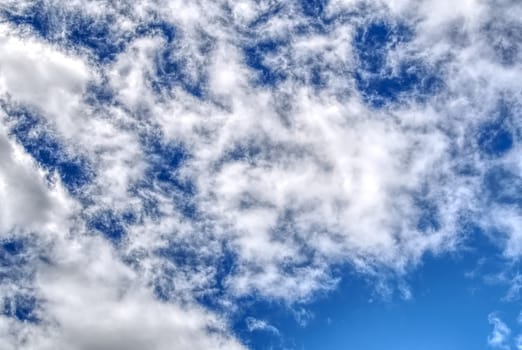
[34,73]
[254,324]
[500,335]
[97,302]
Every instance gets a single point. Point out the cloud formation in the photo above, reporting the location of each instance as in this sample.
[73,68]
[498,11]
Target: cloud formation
[169,158]
[501,334]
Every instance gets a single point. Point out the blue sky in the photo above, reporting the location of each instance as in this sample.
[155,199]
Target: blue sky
[452,296]
[258,174]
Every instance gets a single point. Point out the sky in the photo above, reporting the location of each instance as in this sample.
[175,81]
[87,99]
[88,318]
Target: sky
[260,174]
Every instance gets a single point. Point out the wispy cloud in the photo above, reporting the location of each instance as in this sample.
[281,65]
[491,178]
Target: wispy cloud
[254,324]
[500,336]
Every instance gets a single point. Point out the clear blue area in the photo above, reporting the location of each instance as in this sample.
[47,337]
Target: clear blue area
[36,138]
[495,139]
[313,8]
[102,38]
[163,172]
[38,17]
[171,72]
[13,261]
[96,36]
[180,256]
[266,16]
[109,224]
[171,63]
[72,29]
[163,28]
[496,136]
[448,310]
[381,84]
[12,258]
[21,307]
[255,58]
[502,186]
[428,219]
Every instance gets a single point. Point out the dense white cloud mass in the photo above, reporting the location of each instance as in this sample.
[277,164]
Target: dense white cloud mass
[157,153]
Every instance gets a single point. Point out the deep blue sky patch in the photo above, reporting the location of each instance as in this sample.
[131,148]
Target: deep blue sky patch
[256,56]
[495,138]
[171,72]
[313,8]
[502,186]
[380,83]
[12,259]
[36,137]
[72,28]
[163,172]
[21,307]
[109,224]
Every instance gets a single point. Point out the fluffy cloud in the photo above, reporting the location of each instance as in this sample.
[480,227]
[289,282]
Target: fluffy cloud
[247,147]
